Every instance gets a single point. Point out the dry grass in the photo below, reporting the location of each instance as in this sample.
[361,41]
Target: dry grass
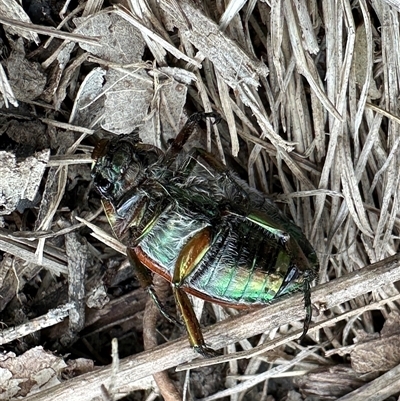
[308,92]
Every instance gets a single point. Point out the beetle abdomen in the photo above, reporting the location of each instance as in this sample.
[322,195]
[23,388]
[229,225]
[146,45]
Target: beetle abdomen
[244,265]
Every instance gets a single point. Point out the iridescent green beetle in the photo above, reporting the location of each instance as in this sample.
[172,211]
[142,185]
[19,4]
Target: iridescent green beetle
[194,222]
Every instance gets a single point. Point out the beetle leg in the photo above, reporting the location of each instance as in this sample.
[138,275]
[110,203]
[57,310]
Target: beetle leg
[184,134]
[146,282]
[192,325]
[307,302]
[188,259]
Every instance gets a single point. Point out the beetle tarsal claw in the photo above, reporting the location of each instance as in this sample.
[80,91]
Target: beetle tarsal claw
[206,352]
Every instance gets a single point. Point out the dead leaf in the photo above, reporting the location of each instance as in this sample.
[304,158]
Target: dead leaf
[381,354]
[167,118]
[78,367]
[20,180]
[35,368]
[330,383]
[378,354]
[13,10]
[120,42]
[89,104]
[392,324]
[127,99]
[26,77]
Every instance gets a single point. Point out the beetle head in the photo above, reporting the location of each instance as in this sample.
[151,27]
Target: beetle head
[120,165]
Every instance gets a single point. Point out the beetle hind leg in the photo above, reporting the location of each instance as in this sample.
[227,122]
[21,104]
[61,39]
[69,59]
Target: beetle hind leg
[192,325]
[188,259]
[307,304]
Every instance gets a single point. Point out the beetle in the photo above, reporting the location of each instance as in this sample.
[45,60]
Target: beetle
[188,218]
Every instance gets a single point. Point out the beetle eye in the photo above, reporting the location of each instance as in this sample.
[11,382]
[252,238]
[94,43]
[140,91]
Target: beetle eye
[104,186]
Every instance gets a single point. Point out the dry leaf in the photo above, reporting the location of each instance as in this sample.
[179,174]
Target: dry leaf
[89,102]
[13,10]
[379,354]
[26,78]
[20,180]
[78,367]
[166,118]
[330,383]
[127,99]
[121,43]
[6,90]
[20,375]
